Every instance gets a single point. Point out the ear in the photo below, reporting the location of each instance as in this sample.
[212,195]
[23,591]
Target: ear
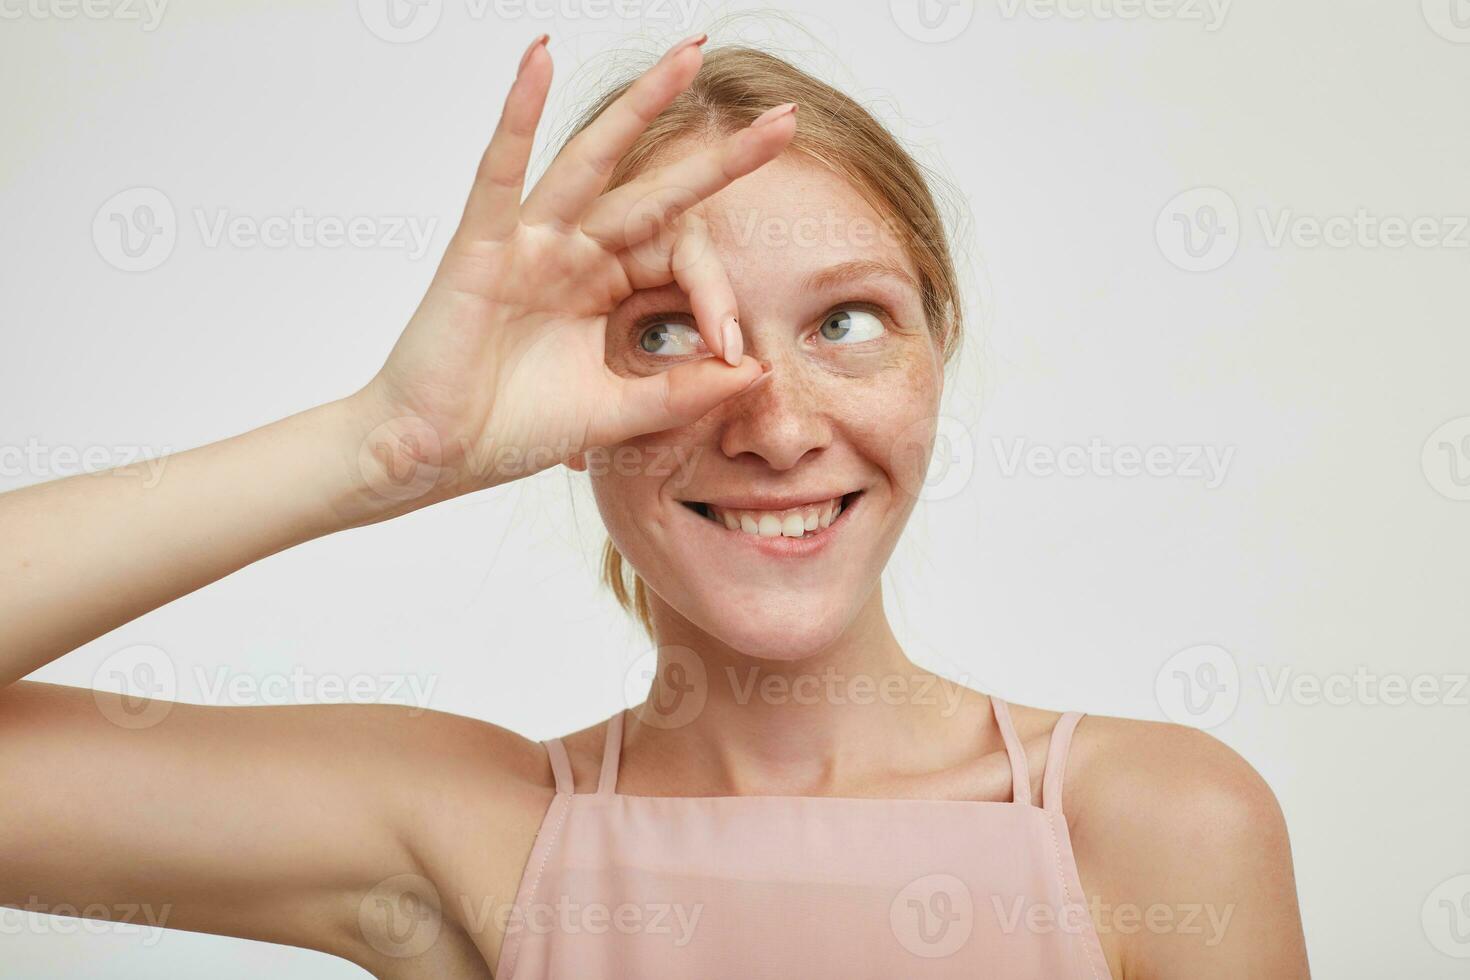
[576,462]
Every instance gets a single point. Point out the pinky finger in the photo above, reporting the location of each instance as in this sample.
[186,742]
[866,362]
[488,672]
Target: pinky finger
[684,254]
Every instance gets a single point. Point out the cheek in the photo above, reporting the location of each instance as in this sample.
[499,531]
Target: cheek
[633,480]
[889,408]
[628,506]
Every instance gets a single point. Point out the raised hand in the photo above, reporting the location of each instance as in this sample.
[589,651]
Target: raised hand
[501,370]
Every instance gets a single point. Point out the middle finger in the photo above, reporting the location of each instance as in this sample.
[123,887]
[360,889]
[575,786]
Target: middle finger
[581,170]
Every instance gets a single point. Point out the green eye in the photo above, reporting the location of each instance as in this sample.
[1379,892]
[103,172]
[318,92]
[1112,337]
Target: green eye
[851,327]
[669,339]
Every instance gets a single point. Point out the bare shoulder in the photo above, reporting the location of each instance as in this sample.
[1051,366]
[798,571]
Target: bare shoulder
[1157,777]
[1171,823]
[479,777]
[458,745]
[584,754]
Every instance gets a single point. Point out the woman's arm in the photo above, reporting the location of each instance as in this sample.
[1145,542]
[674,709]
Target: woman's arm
[84,555]
[499,374]
[280,823]
[267,823]
[1186,849]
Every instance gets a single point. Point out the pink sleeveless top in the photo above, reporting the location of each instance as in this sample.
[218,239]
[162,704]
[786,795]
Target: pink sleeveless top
[780,887]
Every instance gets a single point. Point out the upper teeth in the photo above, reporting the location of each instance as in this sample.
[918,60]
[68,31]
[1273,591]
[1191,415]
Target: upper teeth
[792,523]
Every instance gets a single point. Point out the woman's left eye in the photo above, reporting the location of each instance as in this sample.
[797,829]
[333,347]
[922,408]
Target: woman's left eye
[669,338]
[851,327]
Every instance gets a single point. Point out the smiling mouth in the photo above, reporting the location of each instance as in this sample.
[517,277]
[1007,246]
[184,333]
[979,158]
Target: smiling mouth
[806,521]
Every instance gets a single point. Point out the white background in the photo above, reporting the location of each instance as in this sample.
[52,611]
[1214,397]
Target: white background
[1334,543]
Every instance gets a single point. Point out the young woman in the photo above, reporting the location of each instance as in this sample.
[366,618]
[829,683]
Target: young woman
[621,314]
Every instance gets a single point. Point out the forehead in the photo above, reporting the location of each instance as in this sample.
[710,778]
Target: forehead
[792,219]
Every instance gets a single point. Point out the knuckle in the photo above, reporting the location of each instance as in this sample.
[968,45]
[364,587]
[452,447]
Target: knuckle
[504,178]
[597,159]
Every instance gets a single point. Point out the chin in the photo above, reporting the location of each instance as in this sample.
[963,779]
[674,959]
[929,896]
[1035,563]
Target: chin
[784,629]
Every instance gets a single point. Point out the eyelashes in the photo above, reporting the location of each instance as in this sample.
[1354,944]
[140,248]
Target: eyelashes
[664,336]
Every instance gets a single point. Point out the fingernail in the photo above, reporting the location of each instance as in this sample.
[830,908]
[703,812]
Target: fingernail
[772,114]
[733,343]
[527,56]
[688,42]
[765,373]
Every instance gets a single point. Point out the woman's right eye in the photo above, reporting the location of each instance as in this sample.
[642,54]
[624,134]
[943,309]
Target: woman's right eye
[669,338]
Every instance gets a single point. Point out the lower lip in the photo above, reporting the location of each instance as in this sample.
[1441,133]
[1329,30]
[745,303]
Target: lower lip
[779,546]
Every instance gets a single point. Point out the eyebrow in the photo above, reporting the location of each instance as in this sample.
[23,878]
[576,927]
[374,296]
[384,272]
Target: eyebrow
[857,269]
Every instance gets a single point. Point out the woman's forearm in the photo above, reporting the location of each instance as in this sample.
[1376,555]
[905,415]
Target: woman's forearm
[84,555]
[500,373]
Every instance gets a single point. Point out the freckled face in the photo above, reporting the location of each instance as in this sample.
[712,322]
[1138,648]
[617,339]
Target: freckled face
[766,524]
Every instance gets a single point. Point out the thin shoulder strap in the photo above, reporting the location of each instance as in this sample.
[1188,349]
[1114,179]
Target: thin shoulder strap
[607,782]
[1056,760]
[1020,773]
[561,767]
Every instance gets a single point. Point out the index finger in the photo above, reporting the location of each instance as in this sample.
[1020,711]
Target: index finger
[625,216]
[684,254]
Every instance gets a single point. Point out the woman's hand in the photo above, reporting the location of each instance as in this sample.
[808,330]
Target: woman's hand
[501,372]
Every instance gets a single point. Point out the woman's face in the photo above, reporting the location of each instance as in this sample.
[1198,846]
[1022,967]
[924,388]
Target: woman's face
[727,519]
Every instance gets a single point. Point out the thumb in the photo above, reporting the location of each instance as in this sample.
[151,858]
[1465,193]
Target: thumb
[681,395]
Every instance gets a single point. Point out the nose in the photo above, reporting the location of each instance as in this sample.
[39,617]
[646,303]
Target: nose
[781,421]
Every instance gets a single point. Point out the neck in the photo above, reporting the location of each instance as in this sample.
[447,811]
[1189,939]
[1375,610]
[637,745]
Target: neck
[852,712]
